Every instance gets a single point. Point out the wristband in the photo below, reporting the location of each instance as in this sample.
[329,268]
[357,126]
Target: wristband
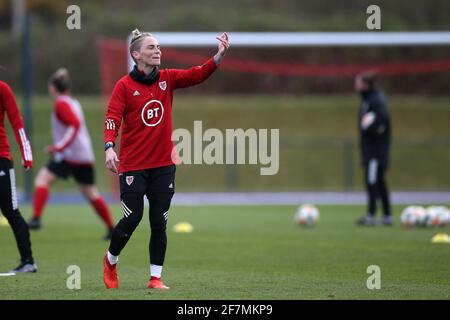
[109,145]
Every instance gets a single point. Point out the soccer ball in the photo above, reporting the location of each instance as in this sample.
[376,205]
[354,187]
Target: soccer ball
[307,215]
[437,216]
[421,215]
[431,217]
[444,216]
[412,216]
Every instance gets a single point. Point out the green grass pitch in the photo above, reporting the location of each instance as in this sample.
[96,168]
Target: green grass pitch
[234,252]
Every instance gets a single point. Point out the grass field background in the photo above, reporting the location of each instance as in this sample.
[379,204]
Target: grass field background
[318,141]
[234,252]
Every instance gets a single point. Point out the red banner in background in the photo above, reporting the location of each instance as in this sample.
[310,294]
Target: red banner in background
[114,53]
[311,70]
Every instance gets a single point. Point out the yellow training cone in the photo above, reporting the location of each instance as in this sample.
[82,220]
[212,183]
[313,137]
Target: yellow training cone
[183,227]
[441,238]
[3,222]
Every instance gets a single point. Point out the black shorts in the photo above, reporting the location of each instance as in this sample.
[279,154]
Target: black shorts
[83,174]
[8,194]
[155,180]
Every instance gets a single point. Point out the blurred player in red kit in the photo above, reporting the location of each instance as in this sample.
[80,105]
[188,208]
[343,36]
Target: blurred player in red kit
[72,153]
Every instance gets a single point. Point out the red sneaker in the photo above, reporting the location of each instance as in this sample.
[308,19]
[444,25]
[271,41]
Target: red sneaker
[156,283]
[110,277]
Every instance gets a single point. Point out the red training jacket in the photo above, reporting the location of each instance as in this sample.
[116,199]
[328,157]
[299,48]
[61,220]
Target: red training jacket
[146,112]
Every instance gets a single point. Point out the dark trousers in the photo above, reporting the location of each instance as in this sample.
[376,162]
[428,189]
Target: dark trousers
[158,185]
[376,187]
[10,209]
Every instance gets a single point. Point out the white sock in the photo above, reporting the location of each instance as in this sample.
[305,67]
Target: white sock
[112,259]
[155,270]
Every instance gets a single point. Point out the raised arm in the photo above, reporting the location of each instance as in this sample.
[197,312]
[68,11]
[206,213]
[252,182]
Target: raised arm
[198,74]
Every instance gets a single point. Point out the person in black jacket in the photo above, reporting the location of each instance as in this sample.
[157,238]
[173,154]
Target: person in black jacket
[375,137]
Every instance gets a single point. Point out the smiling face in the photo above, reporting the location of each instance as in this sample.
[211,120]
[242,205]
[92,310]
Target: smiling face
[149,52]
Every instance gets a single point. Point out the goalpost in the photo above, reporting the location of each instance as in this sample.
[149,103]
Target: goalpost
[300,39]
[283,39]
